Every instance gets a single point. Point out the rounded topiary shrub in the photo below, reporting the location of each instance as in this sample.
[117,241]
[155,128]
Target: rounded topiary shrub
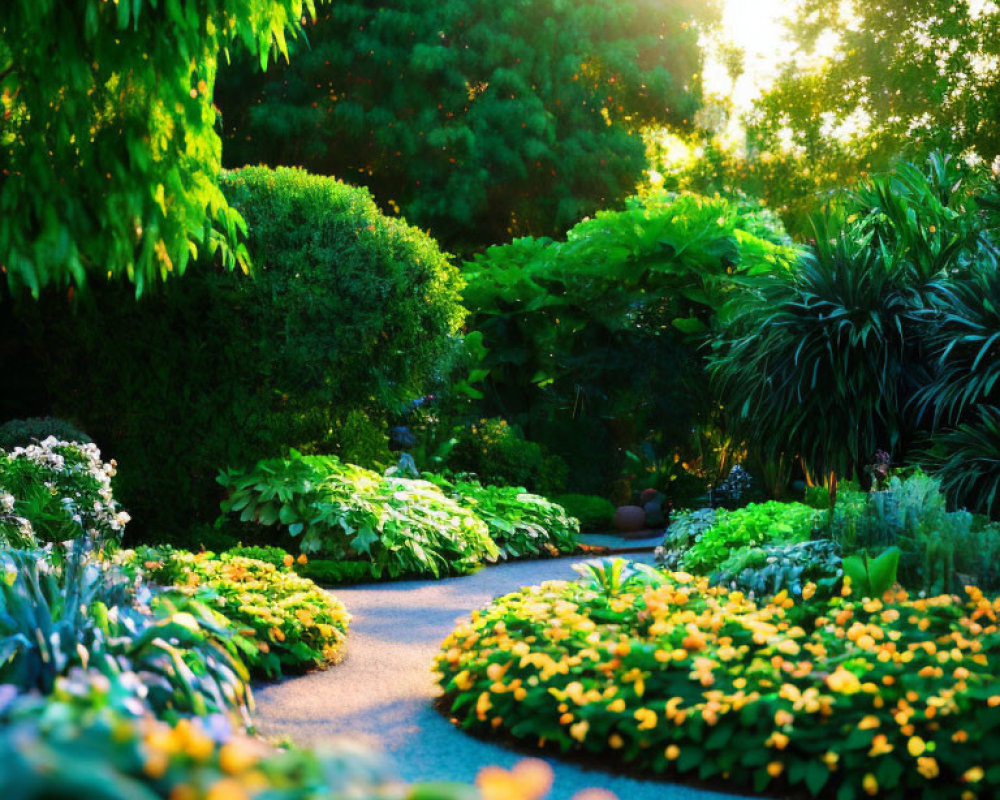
[23,432]
[345,310]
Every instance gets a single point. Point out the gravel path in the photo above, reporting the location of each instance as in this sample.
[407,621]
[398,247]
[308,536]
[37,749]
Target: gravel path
[382,693]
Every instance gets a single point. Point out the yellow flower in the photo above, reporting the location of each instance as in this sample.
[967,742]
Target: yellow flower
[288,560]
[672,752]
[302,559]
[235,758]
[579,730]
[830,759]
[530,779]
[928,767]
[843,681]
[227,789]
[775,768]
[647,719]
[870,784]
[808,590]
[869,722]
[916,746]
[880,746]
[973,775]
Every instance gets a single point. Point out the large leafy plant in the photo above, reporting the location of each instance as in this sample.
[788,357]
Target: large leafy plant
[520,523]
[603,326]
[401,526]
[826,360]
[755,525]
[81,613]
[126,182]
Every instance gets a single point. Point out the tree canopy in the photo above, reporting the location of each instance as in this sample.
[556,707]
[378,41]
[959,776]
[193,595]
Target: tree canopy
[872,80]
[480,119]
[108,148]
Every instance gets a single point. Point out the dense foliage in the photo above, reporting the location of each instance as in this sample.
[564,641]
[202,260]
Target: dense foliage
[893,78]
[589,339]
[836,358]
[593,512]
[347,315]
[55,491]
[108,145]
[521,524]
[58,615]
[22,432]
[285,622]
[88,738]
[402,526]
[476,120]
[853,697]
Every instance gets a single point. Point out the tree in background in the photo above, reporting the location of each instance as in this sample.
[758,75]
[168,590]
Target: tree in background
[108,147]
[481,120]
[863,85]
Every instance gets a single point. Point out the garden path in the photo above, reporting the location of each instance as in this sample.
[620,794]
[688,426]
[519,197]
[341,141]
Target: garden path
[382,694]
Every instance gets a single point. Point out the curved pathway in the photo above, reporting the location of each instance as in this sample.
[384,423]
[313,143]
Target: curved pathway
[382,694]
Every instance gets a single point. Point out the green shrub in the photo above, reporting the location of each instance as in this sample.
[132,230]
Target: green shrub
[769,569]
[496,452]
[55,617]
[593,512]
[346,311]
[593,341]
[783,698]
[54,491]
[520,524]
[22,432]
[755,525]
[338,573]
[287,623]
[340,511]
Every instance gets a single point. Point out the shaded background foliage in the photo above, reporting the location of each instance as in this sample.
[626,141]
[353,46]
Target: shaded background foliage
[347,315]
[477,120]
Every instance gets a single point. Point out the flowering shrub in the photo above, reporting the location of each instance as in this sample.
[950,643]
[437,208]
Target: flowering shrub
[850,697]
[286,622]
[53,491]
[520,523]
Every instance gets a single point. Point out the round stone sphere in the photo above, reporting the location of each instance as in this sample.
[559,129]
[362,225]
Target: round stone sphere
[628,519]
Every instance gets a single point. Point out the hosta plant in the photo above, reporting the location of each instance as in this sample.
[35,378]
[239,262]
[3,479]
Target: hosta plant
[284,622]
[520,523]
[338,510]
[770,569]
[845,698]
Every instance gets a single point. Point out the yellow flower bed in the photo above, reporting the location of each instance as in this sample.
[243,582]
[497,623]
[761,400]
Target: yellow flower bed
[849,698]
[286,622]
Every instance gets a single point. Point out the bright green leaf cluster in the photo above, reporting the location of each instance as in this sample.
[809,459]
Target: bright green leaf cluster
[108,143]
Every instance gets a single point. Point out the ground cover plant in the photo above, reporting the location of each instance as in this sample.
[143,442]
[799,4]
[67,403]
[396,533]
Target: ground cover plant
[850,697]
[703,541]
[284,622]
[521,524]
[341,511]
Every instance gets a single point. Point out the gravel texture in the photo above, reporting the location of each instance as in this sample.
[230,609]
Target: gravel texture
[383,693]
